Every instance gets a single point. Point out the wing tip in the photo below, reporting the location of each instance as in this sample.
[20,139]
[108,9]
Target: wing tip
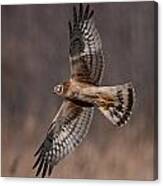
[80,15]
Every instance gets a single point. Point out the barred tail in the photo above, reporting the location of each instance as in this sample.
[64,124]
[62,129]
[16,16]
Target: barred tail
[118,111]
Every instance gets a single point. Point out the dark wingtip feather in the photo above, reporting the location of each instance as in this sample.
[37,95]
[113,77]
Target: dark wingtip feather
[70,28]
[40,167]
[74,15]
[80,11]
[37,162]
[37,152]
[91,14]
[44,169]
[50,170]
[86,12]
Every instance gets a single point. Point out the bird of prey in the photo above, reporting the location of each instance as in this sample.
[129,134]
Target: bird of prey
[81,94]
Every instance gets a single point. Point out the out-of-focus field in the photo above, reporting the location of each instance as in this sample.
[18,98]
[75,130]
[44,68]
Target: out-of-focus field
[35,49]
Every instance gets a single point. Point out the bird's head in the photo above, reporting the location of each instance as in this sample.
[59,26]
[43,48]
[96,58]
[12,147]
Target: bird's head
[58,89]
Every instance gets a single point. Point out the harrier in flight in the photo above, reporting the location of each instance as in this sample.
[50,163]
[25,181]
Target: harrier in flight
[81,94]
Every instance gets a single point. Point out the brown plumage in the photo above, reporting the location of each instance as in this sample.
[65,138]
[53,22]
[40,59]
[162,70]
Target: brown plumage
[81,94]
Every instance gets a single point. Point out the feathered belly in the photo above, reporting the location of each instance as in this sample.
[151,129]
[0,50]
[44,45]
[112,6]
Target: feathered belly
[81,103]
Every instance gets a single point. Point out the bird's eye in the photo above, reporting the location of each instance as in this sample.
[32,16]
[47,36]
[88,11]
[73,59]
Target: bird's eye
[59,89]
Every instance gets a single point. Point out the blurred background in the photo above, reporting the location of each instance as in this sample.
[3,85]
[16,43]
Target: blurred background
[35,50]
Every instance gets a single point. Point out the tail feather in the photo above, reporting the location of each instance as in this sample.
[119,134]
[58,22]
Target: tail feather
[119,110]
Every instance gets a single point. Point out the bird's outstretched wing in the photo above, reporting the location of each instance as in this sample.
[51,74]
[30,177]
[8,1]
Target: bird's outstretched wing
[86,55]
[67,130]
